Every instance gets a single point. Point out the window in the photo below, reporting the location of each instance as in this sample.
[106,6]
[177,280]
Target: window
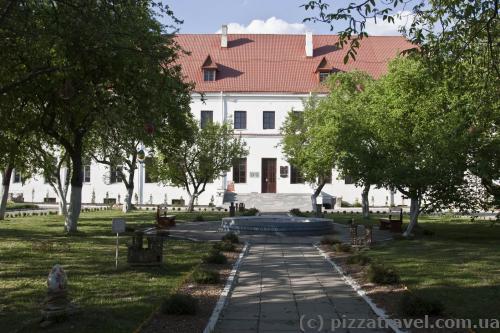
[206,117]
[348,180]
[17,176]
[296,176]
[268,120]
[86,173]
[240,171]
[323,76]
[115,175]
[328,178]
[240,119]
[209,74]
[149,176]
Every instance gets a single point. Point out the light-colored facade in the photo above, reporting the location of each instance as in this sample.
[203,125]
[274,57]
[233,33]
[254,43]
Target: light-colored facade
[263,143]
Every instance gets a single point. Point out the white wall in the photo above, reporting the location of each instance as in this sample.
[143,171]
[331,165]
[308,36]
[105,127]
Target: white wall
[261,143]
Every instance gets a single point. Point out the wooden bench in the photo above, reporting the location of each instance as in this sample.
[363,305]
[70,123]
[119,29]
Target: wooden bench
[395,221]
[162,219]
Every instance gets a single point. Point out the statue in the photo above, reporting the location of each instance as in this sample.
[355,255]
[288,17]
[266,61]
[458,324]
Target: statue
[56,304]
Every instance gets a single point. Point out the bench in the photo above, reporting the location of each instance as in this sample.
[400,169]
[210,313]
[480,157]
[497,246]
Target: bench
[394,222]
[162,219]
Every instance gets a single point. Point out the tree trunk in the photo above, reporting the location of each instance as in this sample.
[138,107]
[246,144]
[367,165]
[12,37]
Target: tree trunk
[127,205]
[192,198]
[414,212]
[314,199]
[6,176]
[365,204]
[75,204]
[61,189]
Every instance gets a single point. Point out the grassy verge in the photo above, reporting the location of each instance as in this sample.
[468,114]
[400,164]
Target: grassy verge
[111,301]
[459,265]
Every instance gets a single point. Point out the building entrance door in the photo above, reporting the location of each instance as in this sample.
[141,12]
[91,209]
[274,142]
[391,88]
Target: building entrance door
[268,175]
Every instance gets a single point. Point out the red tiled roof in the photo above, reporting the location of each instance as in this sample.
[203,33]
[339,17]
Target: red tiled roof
[278,63]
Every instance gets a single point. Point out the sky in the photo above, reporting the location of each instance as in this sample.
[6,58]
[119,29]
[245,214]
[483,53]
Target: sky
[259,16]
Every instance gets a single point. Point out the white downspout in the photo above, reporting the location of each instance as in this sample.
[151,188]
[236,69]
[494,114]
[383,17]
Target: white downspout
[223,120]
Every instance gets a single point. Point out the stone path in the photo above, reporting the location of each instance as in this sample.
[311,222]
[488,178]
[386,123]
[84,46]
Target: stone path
[281,285]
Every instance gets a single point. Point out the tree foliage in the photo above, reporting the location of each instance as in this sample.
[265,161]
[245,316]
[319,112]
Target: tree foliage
[198,159]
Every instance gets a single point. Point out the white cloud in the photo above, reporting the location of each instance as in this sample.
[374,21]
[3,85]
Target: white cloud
[272,25]
[384,28]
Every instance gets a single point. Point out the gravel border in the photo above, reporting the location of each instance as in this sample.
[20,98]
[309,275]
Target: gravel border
[224,294]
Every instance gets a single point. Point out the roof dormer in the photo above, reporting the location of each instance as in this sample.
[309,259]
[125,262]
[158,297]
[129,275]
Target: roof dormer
[209,69]
[323,70]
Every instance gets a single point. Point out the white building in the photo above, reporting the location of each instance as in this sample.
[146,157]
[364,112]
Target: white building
[253,81]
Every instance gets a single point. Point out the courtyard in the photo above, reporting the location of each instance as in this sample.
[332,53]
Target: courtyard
[457,263]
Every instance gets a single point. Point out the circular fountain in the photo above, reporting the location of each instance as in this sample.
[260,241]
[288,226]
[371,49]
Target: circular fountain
[281,224]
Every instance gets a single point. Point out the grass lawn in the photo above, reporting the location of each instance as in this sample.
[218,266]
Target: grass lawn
[111,301]
[458,265]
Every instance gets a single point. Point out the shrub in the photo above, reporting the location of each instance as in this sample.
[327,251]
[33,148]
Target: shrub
[326,240]
[416,306]
[359,259]
[346,204]
[250,212]
[215,257]
[205,276]
[340,247]
[297,212]
[179,304]
[231,237]
[199,218]
[382,274]
[224,246]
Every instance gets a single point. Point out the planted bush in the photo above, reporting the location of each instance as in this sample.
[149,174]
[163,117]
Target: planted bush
[205,276]
[199,218]
[215,257]
[340,247]
[297,212]
[224,246]
[231,237]
[179,304]
[359,259]
[327,240]
[250,212]
[382,274]
[416,306]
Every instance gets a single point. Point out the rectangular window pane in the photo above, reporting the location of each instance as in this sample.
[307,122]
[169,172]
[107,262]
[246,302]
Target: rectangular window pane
[205,118]
[328,178]
[268,119]
[209,75]
[240,119]
[296,176]
[323,76]
[86,173]
[348,180]
[17,176]
[149,174]
[240,171]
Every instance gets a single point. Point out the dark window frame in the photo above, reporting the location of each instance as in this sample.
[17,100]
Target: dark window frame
[240,120]
[268,119]
[86,173]
[18,178]
[348,180]
[240,171]
[209,75]
[205,119]
[115,176]
[323,76]
[296,177]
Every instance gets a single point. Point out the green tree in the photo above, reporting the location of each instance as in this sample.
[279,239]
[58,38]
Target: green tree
[304,150]
[350,132]
[424,142]
[102,55]
[198,159]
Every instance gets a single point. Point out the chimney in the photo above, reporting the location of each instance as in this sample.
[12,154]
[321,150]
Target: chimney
[223,36]
[309,44]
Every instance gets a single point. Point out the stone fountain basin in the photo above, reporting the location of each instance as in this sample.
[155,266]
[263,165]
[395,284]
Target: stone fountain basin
[270,224]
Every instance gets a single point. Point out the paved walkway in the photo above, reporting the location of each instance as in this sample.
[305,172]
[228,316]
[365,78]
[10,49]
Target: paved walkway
[281,285]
